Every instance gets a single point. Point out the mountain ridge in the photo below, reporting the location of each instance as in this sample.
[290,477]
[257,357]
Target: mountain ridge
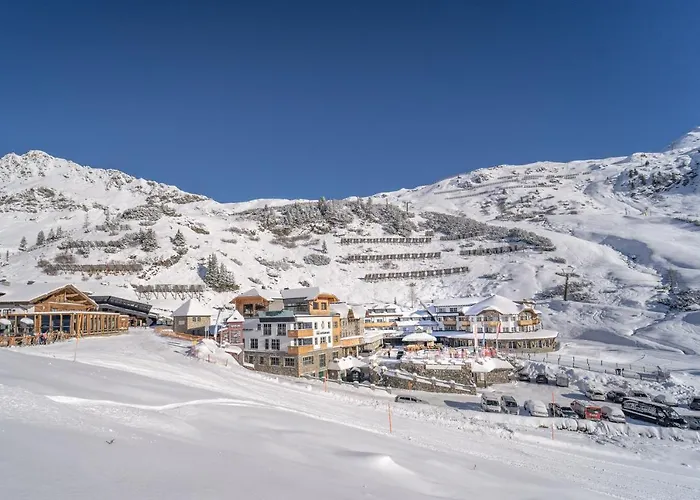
[626,224]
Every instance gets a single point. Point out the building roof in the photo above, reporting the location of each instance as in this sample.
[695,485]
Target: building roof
[192,308]
[341,308]
[24,293]
[306,293]
[456,301]
[380,309]
[495,303]
[259,292]
[236,317]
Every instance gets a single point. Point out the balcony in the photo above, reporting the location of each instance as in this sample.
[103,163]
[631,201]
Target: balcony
[450,321]
[380,324]
[300,334]
[324,345]
[528,322]
[300,349]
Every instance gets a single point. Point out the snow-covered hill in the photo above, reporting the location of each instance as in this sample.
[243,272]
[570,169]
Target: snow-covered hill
[629,227]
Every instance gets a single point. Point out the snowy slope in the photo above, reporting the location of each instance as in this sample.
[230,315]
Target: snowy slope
[183,428]
[629,226]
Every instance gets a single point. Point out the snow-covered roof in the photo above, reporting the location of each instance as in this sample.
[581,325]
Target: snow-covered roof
[419,337]
[486,365]
[236,317]
[456,301]
[21,293]
[495,303]
[306,293]
[346,364]
[382,309]
[192,308]
[259,292]
[341,308]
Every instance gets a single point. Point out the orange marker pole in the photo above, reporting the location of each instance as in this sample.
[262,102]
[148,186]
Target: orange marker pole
[388,405]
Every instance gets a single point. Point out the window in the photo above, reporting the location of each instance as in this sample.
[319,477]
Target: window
[282,329]
[307,360]
[316,325]
[316,340]
[267,344]
[315,306]
[262,360]
[335,324]
[453,309]
[275,344]
[181,322]
[324,306]
[267,328]
[274,361]
[250,359]
[259,327]
[322,360]
[323,325]
[253,343]
[290,362]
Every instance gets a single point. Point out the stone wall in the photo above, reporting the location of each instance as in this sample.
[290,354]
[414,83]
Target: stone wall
[418,385]
[461,376]
[255,358]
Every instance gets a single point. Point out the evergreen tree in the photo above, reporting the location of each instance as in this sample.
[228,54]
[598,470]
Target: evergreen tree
[7,256]
[52,235]
[179,242]
[40,238]
[324,248]
[23,244]
[59,232]
[149,242]
[86,223]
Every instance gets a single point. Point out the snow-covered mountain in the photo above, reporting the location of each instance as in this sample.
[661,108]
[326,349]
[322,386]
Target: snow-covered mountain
[629,227]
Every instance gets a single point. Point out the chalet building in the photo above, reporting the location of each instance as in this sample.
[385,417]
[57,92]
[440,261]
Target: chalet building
[255,300]
[191,318]
[139,313]
[296,335]
[232,331]
[348,328]
[498,322]
[61,310]
[447,311]
[382,317]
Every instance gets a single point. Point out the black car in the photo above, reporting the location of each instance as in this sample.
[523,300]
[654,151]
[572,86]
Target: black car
[615,396]
[541,379]
[695,403]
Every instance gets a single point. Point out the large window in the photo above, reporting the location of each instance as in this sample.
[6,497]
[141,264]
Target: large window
[267,344]
[274,361]
[267,328]
[253,343]
[324,306]
[290,362]
[307,360]
[275,344]
[282,329]
[322,360]
[315,306]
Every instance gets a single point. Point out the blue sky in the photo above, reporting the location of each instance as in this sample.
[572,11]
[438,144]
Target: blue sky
[308,99]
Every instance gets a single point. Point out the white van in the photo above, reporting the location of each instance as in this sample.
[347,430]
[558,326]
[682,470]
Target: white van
[490,403]
[613,414]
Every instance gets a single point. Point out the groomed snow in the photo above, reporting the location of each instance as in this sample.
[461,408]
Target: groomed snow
[184,428]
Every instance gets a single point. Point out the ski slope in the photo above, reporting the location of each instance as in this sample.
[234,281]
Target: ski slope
[184,428]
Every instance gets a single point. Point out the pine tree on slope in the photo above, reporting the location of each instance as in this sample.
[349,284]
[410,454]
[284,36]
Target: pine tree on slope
[40,238]
[23,244]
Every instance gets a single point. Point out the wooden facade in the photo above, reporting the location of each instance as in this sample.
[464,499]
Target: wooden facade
[60,313]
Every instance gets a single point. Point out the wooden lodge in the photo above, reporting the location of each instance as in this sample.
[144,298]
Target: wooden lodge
[37,313]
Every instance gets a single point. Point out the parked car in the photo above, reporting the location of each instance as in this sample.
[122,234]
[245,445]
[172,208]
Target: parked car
[639,395]
[655,413]
[693,422]
[615,396]
[586,410]
[695,403]
[524,376]
[595,394]
[613,414]
[556,410]
[562,380]
[541,378]
[535,408]
[490,403]
[509,405]
[409,399]
[665,399]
